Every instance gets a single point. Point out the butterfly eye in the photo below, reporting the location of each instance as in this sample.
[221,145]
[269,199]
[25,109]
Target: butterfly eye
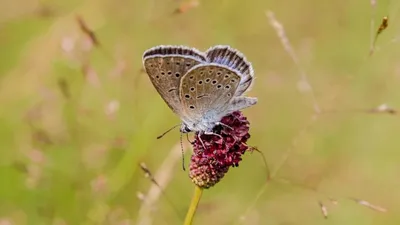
[177,74]
[219,86]
[187,96]
[207,80]
[191,77]
[186,129]
[226,76]
[219,73]
[188,64]
[169,72]
[227,87]
[162,73]
[178,63]
[201,72]
[192,89]
[229,95]
[191,107]
[200,82]
[233,80]
[157,76]
[210,71]
[214,82]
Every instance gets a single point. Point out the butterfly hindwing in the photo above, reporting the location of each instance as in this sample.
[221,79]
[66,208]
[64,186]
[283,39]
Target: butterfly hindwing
[225,55]
[208,87]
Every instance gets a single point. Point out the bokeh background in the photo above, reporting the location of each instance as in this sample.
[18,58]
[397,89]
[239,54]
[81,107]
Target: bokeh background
[77,118]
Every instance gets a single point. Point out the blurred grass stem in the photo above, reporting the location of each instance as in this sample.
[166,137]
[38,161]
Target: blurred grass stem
[193,205]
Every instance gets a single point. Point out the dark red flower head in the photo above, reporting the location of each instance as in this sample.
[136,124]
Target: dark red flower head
[214,154]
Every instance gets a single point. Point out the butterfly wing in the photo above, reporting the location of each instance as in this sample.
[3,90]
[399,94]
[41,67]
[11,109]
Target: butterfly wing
[207,88]
[166,65]
[225,55]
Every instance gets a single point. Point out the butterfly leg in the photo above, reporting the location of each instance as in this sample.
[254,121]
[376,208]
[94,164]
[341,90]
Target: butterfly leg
[211,133]
[206,133]
[201,140]
[187,138]
[224,125]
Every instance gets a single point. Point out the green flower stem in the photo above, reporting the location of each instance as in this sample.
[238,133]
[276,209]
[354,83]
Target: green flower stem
[198,191]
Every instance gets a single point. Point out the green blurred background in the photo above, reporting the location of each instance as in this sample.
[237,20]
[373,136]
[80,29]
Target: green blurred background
[76,119]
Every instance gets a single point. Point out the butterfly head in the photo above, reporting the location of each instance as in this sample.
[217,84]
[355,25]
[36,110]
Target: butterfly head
[197,126]
[202,125]
[185,128]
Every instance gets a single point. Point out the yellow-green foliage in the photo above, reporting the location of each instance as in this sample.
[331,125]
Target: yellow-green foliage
[76,120]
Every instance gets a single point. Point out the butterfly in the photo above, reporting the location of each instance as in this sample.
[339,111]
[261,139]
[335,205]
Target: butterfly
[200,88]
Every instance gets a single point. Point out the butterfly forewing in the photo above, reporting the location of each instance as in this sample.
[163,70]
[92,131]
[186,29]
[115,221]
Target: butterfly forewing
[207,87]
[166,65]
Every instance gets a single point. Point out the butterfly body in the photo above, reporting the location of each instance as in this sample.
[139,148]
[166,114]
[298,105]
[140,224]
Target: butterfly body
[200,88]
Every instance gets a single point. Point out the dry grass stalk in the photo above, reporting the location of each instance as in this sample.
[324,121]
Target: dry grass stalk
[87,31]
[304,82]
[324,209]
[370,205]
[162,177]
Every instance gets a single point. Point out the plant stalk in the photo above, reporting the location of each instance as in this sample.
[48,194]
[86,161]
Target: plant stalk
[193,205]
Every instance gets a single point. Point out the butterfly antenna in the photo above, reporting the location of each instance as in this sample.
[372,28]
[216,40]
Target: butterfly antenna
[162,135]
[183,154]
